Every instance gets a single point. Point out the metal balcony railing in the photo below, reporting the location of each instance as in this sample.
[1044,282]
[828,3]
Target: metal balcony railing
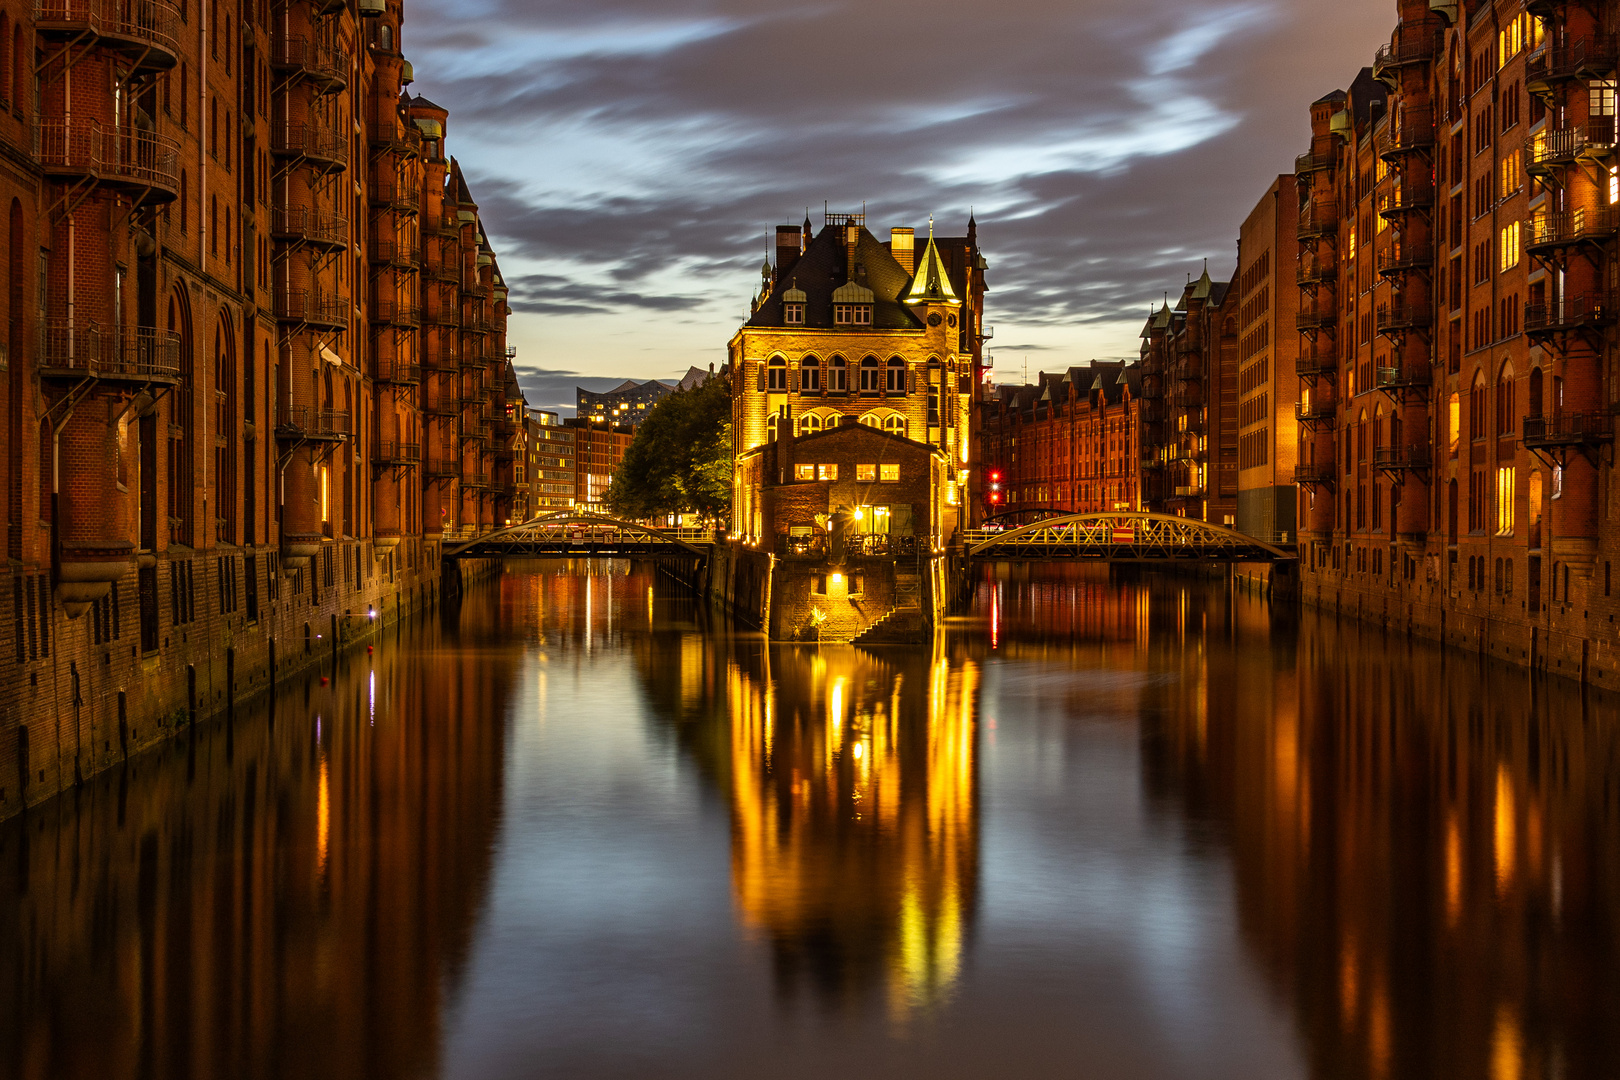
[1314,475]
[1397,318]
[394,370]
[396,453]
[392,312]
[1315,411]
[1401,378]
[1555,147]
[1410,45]
[1313,162]
[1407,198]
[390,252]
[1551,231]
[1406,256]
[395,195]
[478,325]
[147,30]
[1319,219]
[1187,491]
[1317,316]
[121,156]
[133,352]
[1315,360]
[1572,313]
[326,150]
[305,224]
[1568,429]
[1402,458]
[308,422]
[1316,271]
[1584,58]
[298,306]
[319,63]
[1410,131]
[389,133]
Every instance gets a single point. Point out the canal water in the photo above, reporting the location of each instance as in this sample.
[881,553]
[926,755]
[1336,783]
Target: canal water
[1143,828]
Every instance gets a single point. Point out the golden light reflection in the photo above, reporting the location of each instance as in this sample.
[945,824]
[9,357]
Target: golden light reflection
[323,818]
[1507,1046]
[1454,878]
[1506,838]
[855,838]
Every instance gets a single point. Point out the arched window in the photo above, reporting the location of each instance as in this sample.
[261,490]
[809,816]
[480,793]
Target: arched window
[837,376]
[1535,392]
[809,424]
[773,426]
[871,374]
[895,425]
[872,420]
[385,38]
[1504,400]
[810,375]
[1453,422]
[778,381]
[5,68]
[895,383]
[1477,407]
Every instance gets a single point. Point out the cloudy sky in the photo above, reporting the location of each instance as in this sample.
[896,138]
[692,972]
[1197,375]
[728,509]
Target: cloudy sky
[631,158]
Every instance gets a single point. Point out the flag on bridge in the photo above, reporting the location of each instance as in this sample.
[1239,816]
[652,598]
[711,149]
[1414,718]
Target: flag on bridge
[1124,534]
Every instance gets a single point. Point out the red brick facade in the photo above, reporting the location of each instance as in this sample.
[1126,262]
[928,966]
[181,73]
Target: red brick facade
[255,371]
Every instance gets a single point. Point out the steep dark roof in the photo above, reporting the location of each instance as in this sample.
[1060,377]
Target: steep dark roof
[823,268]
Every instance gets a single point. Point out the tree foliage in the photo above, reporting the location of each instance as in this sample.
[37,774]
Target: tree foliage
[680,460]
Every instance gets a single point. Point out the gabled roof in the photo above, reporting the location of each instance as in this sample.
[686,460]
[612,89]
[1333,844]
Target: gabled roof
[824,268]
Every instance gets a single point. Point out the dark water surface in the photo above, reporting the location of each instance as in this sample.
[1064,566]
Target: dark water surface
[1101,830]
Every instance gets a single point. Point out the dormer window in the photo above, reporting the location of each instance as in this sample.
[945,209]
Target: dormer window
[793,314]
[852,314]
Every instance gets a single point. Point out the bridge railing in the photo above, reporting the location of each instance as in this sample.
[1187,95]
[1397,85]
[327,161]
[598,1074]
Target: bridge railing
[1121,536]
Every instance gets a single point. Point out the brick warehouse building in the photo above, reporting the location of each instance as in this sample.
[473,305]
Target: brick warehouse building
[1456,461]
[255,372]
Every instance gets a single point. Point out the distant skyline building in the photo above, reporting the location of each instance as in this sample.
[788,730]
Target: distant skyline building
[627,403]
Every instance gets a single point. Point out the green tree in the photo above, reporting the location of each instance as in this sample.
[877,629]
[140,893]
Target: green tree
[680,460]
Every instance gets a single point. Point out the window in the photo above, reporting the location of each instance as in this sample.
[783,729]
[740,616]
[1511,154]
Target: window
[895,425]
[1454,422]
[837,376]
[1504,401]
[896,381]
[809,424]
[773,426]
[804,472]
[778,374]
[866,474]
[1509,246]
[810,375]
[827,472]
[871,373]
[889,474]
[793,314]
[1504,500]
[852,314]
[1512,172]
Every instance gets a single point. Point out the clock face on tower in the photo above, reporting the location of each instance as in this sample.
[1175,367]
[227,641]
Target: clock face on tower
[933,320]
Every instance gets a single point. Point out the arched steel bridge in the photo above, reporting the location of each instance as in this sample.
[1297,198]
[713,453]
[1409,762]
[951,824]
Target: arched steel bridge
[1120,537]
[580,535]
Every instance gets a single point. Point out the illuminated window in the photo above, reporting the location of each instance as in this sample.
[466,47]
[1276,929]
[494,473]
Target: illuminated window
[1509,245]
[827,472]
[837,375]
[889,474]
[866,474]
[896,381]
[1504,500]
[895,425]
[1454,422]
[809,424]
[804,472]
[1512,172]
[778,374]
[871,376]
[852,314]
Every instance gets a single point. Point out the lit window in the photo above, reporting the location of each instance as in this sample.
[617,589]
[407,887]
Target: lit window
[866,474]
[896,381]
[804,472]
[827,472]
[895,425]
[1510,245]
[778,373]
[871,376]
[1504,501]
[837,375]
[890,474]
[809,424]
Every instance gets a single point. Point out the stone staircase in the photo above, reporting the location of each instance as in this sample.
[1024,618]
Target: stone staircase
[906,623]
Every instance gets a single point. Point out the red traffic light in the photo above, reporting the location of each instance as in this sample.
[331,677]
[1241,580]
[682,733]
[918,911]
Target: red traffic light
[994,475]
[995,496]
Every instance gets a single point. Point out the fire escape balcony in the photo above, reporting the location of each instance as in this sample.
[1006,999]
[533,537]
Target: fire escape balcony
[478,325]
[1567,429]
[475,480]
[1405,257]
[142,164]
[1152,387]
[1319,219]
[388,311]
[440,354]
[1317,271]
[1402,458]
[1187,399]
[397,196]
[306,225]
[389,252]
[324,151]
[307,424]
[443,314]
[1317,316]
[1316,412]
[475,430]
[1316,358]
[313,309]
[396,453]
[300,58]
[389,134]
[1306,164]
[145,31]
[132,354]
[1557,147]
[1311,474]
[1584,312]
[1396,319]
[1409,133]
[1549,233]
[1550,67]
[400,372]
[1402,381]
[440,403]
[1406,199]
[1410,45]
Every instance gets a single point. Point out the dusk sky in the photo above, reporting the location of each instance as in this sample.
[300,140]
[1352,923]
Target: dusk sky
[631,158]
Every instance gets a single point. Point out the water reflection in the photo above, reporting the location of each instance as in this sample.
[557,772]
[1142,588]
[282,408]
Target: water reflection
[288,896]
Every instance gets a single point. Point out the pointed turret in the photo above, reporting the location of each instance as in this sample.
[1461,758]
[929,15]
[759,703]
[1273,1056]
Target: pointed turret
[932,284]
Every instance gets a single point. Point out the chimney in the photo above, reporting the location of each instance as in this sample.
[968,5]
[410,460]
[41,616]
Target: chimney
[903,244]
[852,240]
[788,249]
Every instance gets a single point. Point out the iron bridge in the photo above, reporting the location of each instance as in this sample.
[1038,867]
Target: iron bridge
[1120,537]
[576,535]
